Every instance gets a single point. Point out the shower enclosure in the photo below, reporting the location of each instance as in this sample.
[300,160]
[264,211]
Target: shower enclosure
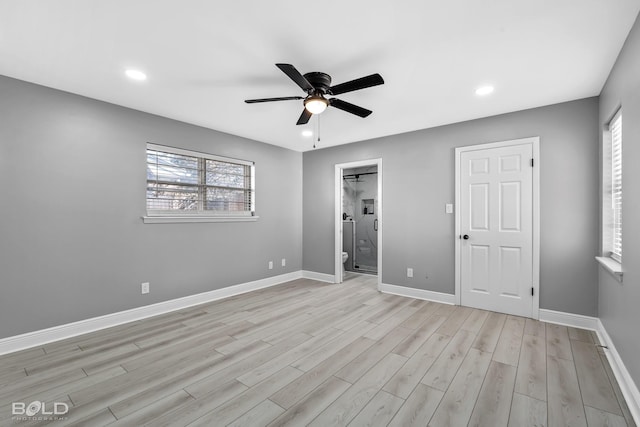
[360,215]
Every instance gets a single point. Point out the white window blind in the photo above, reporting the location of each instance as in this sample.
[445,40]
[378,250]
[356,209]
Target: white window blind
[183,182]
[615,128]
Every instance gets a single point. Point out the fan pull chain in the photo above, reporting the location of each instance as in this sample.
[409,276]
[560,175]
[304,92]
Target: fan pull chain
[317,130]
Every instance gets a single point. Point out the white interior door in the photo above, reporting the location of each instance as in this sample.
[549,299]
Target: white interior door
[496,227]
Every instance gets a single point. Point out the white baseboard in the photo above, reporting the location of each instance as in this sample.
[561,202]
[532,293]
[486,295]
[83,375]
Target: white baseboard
[321,277]
[627,385]
[568,319]
[404,291]
[56,333]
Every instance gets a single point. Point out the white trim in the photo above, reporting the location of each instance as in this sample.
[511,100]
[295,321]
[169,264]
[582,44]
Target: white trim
[611,266]
[535,143]
[321,277]
[337,237]
[569,319]
[423,294]
[186,218]
[625,381]
[536,228]
[194,153]
[56,333]
[32,339]
[338,215]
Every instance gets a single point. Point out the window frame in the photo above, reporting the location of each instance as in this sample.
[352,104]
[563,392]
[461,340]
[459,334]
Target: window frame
[611,260]
[201,214]
[615,185]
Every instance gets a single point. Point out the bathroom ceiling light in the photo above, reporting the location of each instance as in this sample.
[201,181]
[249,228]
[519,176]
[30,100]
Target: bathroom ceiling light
[136,75]
[484,90]
[316,104]
[307,133]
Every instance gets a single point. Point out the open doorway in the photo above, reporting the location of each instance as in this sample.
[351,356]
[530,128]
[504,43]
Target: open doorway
[358,218]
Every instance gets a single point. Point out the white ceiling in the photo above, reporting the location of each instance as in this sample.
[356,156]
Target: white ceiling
[203,57]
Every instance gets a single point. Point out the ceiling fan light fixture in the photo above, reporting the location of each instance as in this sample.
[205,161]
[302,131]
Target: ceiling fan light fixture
[316,104]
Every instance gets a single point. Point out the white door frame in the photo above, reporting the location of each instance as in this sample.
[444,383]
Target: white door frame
[535,144]
[338,214]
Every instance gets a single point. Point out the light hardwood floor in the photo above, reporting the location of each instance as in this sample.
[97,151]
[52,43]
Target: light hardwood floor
[310,353]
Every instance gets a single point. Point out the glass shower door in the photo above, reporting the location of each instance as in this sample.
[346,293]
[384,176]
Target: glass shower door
[366,242]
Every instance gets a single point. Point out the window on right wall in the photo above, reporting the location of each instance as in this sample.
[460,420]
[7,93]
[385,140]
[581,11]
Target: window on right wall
[612,189]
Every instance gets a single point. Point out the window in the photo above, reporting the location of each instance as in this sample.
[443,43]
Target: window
[615,128]
[187,183]
[612,192]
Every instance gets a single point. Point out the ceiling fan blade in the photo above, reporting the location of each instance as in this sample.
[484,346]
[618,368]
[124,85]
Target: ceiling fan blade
[304,117]
[295,75]
[349,108]
[283,98]
[357,84]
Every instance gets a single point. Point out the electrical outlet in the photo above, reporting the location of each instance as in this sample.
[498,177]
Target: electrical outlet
[144,288]
[284,262]
[409,272]
[270,265]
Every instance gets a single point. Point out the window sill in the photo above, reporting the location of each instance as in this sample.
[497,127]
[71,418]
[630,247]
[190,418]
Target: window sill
[612,266]
[185,219]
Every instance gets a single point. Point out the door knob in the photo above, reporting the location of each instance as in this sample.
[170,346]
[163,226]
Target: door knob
[465,237]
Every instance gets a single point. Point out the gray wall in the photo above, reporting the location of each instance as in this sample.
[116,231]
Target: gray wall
[72,244]
[618,302]
[418,179]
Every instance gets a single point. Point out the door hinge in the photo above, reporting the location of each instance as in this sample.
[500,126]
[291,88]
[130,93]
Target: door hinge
[532,291]
[531,162]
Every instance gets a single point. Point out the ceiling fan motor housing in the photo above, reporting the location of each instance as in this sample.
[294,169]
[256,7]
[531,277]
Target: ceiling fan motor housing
[320,81]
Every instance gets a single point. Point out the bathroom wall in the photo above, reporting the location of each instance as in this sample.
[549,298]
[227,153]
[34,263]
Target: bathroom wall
[355,190]
[348,194]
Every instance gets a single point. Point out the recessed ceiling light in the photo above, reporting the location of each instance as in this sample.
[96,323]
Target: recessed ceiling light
[484,90]
[307,133]
[136,74]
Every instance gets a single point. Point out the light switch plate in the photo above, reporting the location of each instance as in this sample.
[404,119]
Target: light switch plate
[448,208]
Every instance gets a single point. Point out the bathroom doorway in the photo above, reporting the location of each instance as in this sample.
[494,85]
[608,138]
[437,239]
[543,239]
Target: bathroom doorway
[359,218]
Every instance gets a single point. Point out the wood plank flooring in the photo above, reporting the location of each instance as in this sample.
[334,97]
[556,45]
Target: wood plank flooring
[311,353]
